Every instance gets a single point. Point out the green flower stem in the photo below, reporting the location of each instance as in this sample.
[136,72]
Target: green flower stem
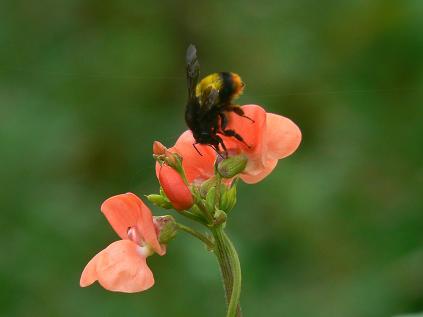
[196,234]
[205,212]
[230,269]
[192,216]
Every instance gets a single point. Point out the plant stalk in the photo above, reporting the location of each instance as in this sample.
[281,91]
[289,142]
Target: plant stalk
[197,235]
[230,269]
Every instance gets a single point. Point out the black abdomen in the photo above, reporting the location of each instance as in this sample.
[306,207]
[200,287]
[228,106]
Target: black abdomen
[225,94]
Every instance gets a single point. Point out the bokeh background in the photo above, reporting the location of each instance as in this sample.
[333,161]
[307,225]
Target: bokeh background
[87,86]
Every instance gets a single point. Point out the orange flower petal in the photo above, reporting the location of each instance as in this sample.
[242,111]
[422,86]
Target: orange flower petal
[253,176]
[282,137]
[175,189]
[197,167]
[272,137]
[147,228]
[89,275]
[251,132]
[127,210]
[121,267]
[122,211]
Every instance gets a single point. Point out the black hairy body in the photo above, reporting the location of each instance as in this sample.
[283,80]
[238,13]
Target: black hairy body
[208,103]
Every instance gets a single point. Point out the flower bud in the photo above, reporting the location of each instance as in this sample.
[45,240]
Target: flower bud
[159,201]
[175,188]
[173,160]
[163,155]
[211,199]
[232,166]
[219,217]
[158,148]
[228,200]
[167,228]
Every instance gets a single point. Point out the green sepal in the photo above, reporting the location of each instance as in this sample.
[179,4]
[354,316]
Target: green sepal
[211,199]
[206,185]
[160,201]
[228,199]
[195,210]
[167,228]
[232,166]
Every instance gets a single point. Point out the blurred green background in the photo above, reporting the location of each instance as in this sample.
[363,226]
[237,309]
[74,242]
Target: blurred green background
[86,86]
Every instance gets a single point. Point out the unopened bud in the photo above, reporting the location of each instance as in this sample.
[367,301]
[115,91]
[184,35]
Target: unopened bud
[228,200]
[159,201]
[173,160]
[175,188]
[167,228]
[163,155]
[158,148]
[211,199]
[232,166]
[219,217]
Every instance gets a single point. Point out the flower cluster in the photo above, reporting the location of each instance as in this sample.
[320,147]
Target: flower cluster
[201,187]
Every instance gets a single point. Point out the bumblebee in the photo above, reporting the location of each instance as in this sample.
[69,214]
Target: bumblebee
[208,103]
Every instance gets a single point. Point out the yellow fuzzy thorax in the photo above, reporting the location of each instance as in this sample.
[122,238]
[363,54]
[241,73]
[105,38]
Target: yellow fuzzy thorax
[213,81]
[216,82]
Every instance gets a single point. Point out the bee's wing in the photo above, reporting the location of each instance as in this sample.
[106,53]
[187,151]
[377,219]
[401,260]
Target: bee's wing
[208,100]
[193,70]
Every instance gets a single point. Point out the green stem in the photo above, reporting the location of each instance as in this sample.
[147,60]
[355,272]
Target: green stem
[196,234]
[205,212]
[230,269]
[192,216]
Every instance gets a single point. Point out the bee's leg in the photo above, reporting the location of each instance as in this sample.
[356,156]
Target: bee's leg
[223,120]
[238,110]
[236,136]
[215,126]
[216,149]
[222,144]
[196,149]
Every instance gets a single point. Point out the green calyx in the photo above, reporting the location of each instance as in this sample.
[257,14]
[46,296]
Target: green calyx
[174,160]
[232,166]
[228,199]
[167,226]
[207,185]
[211,199]
[160,201]
[219,217]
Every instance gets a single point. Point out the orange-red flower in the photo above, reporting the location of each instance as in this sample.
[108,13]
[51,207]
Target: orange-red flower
[122,266]
[270,138]
[174,187]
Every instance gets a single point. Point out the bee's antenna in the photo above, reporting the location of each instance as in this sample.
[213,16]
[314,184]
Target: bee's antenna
[252,121]
[196,149]
[217,151]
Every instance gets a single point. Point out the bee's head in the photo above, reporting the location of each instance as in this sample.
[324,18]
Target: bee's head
[238,85]
[204,137]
